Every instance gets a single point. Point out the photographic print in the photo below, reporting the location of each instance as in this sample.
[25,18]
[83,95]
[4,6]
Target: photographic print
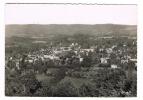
[70,50]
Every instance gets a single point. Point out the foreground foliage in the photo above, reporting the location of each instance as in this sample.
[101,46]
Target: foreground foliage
[105,83]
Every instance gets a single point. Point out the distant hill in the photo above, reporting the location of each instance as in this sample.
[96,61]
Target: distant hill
[37,30]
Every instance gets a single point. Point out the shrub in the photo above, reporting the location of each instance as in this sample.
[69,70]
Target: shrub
[65,89]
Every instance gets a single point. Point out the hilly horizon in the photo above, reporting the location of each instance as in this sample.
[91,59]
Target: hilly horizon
[45,30]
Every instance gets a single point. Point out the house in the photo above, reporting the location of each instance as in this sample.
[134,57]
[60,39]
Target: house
[109,50]
[57,51]
[133,60]
[104,60]
[88,50]
[113,66]
[114,46]
[65,48]
[81,60]
[123,61]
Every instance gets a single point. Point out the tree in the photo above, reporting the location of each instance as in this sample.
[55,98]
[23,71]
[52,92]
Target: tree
[65,89]
[30,84]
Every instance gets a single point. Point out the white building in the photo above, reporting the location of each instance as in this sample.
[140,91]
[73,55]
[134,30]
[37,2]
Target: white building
[114,66]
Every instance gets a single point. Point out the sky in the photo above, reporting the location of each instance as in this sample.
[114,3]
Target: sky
[70,14]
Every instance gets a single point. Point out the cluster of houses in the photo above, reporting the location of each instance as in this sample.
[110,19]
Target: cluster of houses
[74,53]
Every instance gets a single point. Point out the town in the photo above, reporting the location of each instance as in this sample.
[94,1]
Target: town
[74,54]
[63,62]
